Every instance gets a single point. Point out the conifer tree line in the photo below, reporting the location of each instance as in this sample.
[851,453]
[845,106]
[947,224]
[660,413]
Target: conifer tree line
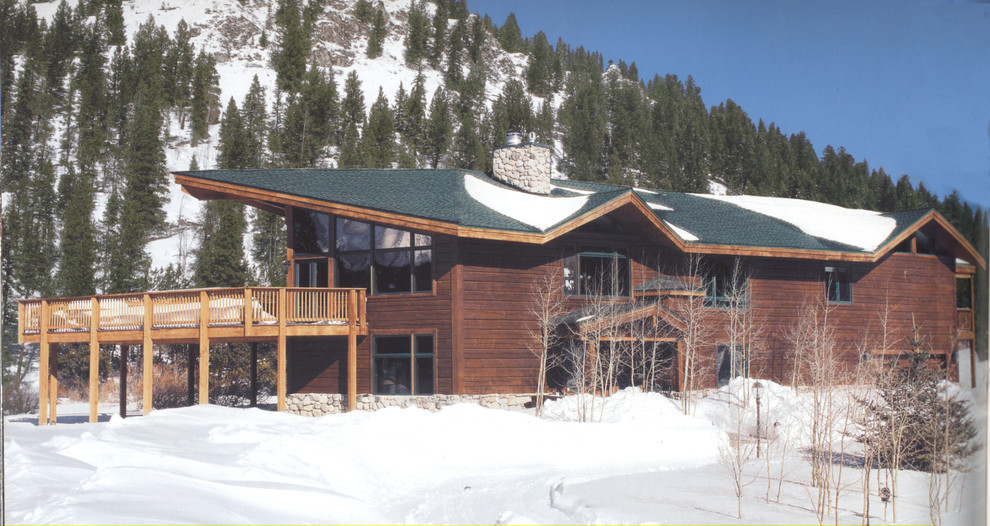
[83,204]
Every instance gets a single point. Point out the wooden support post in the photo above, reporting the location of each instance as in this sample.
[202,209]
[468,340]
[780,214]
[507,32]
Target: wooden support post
[281,375]
[147,368]
[125,351]
[53,387]
[43,366]
[191,351]
[681,373]
[204,348]
[94,361]
[352,300]
[254,374]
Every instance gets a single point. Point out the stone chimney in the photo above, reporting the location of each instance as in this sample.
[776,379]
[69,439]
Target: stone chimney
[524,165]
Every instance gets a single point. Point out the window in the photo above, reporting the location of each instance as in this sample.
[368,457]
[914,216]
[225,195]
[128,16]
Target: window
[720,291]
[597,273]
[403,364]
[731,361]
[310,232]
[311,273]
[964,293]
[382,259]
[838,285]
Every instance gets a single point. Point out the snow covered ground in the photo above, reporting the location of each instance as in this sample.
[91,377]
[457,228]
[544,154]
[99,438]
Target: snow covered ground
[641,461]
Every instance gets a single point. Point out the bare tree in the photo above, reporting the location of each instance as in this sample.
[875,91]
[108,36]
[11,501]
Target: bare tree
[546,307]
[697,331]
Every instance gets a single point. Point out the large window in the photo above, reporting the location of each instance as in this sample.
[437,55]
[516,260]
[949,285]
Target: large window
[597,273]
[310,232]
[403,364]
[838,285]
[382,259]
[311,273]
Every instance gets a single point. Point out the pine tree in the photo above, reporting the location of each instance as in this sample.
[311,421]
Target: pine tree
[149,49]
[415,115]
[378,33]
[220,257]
[582,118]
[418,37]
[268,247]
[511,112]
[476,43]
[113,13]
[59,47]
[352,155]
[90,81]
[438,129]
[453,74]
[181,61]
[291,51]
[144,193]
[439,35]
[77,248]
[379,134]
[232,145]
[353,103]
[205,95]
[254,116]
[509,35]
[467,150]
[539,72]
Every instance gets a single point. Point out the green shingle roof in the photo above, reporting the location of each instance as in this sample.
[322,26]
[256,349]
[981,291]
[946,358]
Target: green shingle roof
[441,195]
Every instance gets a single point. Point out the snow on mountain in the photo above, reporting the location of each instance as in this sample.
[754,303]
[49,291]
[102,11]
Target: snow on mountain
[231,30]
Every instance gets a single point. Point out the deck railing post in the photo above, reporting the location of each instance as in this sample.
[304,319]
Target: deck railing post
[352,307]
[281,378]
[43,366]
[363,302]
[204,347]
[94,359]
[125,351]
[248,312]
[148,347]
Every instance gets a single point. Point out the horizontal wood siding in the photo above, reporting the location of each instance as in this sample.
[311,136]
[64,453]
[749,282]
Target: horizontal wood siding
[498,327]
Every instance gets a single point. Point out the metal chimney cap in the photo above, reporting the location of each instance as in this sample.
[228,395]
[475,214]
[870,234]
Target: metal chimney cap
[513,139]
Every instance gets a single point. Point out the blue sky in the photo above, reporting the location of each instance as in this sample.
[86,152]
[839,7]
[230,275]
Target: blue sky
[904,85]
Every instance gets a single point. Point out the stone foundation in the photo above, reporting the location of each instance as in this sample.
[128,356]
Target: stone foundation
[319,404]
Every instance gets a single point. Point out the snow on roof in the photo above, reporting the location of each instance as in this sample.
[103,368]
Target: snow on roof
[865,229]
[658,206]
[535,210]
[683,234]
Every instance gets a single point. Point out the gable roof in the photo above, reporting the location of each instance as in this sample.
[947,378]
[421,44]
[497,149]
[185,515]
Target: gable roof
[469,204]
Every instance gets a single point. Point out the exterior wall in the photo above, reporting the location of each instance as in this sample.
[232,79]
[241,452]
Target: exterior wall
[498,328]
[480,313]
[914,285]
[318,365]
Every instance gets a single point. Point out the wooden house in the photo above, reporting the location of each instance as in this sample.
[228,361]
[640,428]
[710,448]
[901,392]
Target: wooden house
[421,282]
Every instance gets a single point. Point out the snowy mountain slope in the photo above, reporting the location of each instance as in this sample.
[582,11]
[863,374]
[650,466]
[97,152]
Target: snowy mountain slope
[231,31]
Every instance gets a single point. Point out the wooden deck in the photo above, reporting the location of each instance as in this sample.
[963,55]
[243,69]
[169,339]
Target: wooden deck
[249,314]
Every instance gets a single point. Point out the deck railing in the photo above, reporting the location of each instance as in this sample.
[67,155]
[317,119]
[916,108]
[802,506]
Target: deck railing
[964,320]
[184,308]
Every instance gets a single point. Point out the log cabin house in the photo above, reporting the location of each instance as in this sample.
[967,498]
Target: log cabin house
[420,282]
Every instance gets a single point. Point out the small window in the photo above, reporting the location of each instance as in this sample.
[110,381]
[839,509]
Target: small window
[310,232]
[838,285]
[403,364]
[731,362]
[964,293]
[597,274]
[904,247]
